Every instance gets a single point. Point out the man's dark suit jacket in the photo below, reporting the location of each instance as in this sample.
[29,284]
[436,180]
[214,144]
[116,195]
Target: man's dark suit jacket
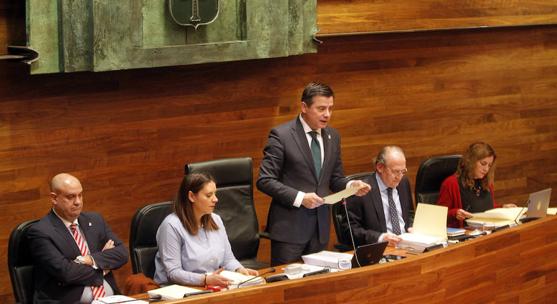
[366,213]
[287,167]
[58,279]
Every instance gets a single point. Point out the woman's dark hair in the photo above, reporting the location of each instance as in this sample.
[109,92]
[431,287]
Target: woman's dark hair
[467,164]
[193,182]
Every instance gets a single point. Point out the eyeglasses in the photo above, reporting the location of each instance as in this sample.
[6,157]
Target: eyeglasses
[400,172]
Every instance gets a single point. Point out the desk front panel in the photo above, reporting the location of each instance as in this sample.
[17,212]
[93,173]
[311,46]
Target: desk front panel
[517,265]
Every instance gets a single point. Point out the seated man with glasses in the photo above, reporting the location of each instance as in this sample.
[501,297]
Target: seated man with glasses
[384,212]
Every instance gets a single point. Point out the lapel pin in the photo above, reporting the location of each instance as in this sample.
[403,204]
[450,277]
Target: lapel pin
[90,224]
[329,136]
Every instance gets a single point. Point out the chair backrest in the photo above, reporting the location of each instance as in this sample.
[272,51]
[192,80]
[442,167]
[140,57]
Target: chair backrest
[143,240]
[431,174]
[20,263]
[234,178]
[339,216]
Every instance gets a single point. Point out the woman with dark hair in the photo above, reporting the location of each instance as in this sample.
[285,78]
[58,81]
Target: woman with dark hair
[470,189]
[192,241]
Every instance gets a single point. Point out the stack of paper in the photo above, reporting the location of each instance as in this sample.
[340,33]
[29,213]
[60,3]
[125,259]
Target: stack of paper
[451,232]
[418,242]
[429,229]
[326,258]
[172,292]
[496,217]
[305,268]
[239,280]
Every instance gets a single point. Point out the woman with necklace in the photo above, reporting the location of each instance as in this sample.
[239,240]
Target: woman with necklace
[470,189]
[192,241]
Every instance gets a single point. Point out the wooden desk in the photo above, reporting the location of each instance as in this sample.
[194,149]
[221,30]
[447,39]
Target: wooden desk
[516,265]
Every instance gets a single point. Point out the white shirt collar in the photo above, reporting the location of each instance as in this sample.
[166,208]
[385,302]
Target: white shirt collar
[66,223]
[382,186]
[306,127]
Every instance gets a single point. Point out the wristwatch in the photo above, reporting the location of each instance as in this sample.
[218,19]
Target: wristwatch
[80,259]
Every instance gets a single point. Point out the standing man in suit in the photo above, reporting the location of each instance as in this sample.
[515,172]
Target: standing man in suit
[74,252]
[384,213]
[301,165]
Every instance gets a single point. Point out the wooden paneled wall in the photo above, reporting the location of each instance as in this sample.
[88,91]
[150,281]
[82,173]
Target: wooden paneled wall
[128,134]
[362,16]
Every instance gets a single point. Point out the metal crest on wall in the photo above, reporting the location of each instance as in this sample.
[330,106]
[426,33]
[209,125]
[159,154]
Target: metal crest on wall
[81,35]
[193,12]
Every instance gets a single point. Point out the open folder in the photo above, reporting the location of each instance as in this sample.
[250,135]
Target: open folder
[429,229]
[496,217]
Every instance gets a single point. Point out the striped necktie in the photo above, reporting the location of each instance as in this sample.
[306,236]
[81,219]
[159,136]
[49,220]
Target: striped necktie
[98,291]
[393,213]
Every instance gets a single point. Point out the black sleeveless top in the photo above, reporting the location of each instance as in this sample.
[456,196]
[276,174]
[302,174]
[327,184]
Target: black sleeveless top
[476,199]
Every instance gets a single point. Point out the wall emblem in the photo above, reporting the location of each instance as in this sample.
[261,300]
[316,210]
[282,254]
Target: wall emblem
[193,12]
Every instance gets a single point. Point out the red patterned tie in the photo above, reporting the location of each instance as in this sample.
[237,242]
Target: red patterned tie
[98,291]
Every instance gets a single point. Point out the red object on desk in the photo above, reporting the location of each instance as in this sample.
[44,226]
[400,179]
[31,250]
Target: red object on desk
[213,288]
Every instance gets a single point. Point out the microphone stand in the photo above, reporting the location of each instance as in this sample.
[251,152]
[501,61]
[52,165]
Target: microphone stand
[257,276]
[351,234]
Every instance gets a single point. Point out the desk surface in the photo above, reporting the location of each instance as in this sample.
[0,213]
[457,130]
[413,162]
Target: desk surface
[517,265]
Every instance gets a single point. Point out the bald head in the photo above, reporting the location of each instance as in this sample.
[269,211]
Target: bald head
[62,180]
[66,196]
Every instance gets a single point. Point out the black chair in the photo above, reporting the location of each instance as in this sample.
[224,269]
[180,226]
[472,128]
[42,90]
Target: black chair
[431,174]
[143,241]
[234,177]
[340,222]
[20,263]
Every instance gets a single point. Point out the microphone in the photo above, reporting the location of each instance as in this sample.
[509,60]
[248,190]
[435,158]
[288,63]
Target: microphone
[189,294]
[351,234]
[271,270]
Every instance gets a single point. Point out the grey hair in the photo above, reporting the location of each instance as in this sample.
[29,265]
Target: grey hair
[386,150]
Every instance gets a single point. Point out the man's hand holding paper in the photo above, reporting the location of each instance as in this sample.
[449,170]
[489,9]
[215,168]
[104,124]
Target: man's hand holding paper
[356,187]
[312,200]
[363,188]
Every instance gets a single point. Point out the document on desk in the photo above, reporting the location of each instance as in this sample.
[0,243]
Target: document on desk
[429,229]
[339,196]
[326,258]
[172,292]
[496,217]
[241,280]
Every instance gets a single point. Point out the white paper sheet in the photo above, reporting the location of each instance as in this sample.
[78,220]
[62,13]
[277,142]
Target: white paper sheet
[326,258]
[337,197]
[172,292]
[237,278]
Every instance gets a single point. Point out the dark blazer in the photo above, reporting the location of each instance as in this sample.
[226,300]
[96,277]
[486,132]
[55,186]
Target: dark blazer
[287,167]
[366,213]
[57,278]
